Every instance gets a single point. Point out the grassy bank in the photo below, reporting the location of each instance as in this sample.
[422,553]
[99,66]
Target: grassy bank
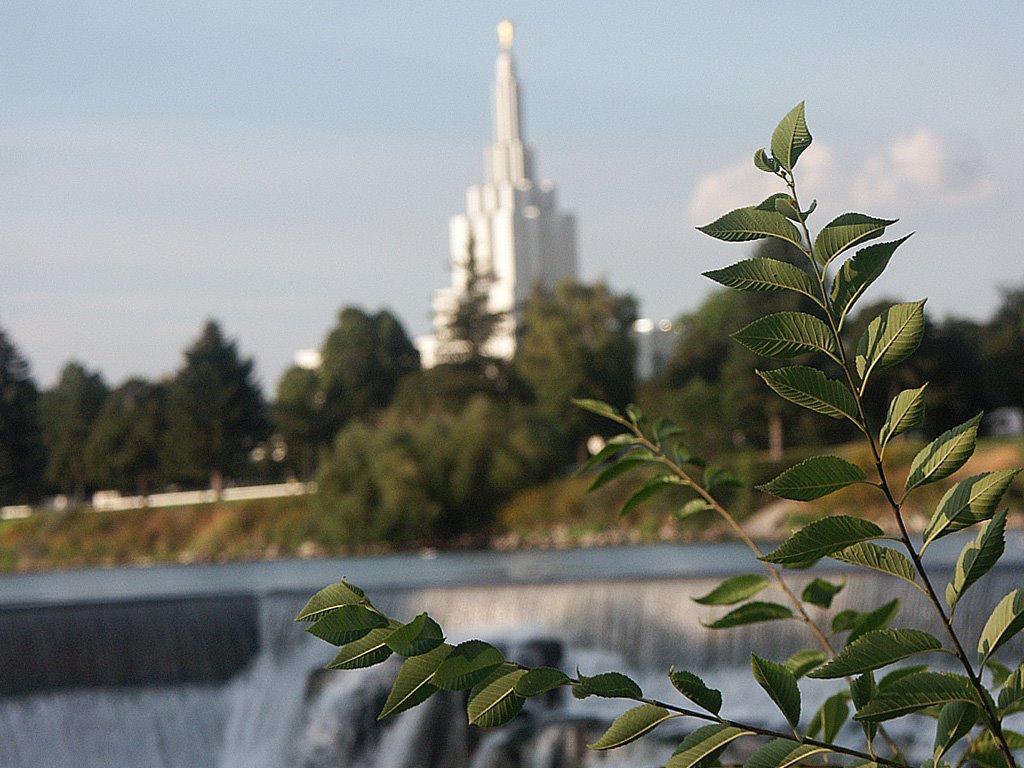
[557,514]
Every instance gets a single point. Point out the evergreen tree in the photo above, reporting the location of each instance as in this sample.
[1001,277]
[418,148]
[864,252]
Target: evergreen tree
[297,419]
[68,412]
[474,323]
[123,449]
[21,456]
[215,411]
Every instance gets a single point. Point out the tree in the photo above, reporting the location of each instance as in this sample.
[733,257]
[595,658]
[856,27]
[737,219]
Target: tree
[297,418]
[68,412]
[1003,350]
[21,455]
[123,449]
[577,343]
[474,323]
[362,360]
[215,411]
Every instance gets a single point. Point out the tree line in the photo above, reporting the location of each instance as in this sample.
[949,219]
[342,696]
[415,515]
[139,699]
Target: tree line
[404,453]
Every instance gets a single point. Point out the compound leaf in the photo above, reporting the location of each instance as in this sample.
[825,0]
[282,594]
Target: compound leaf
[780,684]
[1006,621]
[906,412]
[762,274]
[787,334]
[413,683]
[916,692]
[751,613]
[791,137]
[846,231]
[977,557]
[752,223]
[735,590]
[706,742]
[968,502]
[494,701]
[467,664]
[944,455]
[693,688]
[890,338]
[858,273]
[631,725]
[876,557]
[877,649]
[810,388]
[822,538]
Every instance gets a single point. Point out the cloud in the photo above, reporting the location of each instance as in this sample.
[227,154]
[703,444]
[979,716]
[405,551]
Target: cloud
[925,167]
[741,184]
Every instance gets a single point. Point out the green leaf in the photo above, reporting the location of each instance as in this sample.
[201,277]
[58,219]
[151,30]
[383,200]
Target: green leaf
[765,163]
[944,455]
[706,742]
[968,502]
[693,688]
[780,684]
[858,273]
[845,620]
[787,334]
[781,753]
[413,684]
[734,590]
[880,618]
[906,412]
[895,676]
[346,623]
[802,662]
[596,407]
[692,507]
[651,488]
[494,701]
[752,223]
[329,598]
[822,538]
[540,680]
[365,652]
[810,388]
[1011,697]
[877,649]
[830,717]
[420,635]
[876,557]
[715,476]
[785,206]
[467,664]
[846,231]
[890,338]
[751,613]
[1006,621]
[610,685]
[955,721]
[1000,672]
[863,689]
[816,477]
[615,446]
[820,592]
[915,692]
[977,557]
[631,725]
[620,467]
[791,137]
[762,274]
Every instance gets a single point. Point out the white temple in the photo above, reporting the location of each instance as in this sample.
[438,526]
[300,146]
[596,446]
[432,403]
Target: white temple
[519,236]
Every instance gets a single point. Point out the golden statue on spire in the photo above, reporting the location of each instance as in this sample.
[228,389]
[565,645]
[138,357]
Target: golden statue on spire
[505,34]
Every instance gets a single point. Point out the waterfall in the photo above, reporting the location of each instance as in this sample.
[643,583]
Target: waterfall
[230,681]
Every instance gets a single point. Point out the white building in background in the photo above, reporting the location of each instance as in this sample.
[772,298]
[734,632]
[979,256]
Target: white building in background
[520,237]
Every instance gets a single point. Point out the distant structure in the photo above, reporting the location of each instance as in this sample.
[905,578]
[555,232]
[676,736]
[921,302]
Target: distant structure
[518,235]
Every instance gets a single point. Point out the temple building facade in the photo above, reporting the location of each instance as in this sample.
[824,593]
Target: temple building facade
[512,233]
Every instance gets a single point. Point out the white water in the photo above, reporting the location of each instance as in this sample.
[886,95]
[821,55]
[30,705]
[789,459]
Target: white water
[280,712]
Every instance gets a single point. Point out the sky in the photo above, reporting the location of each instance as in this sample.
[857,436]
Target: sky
[267,163]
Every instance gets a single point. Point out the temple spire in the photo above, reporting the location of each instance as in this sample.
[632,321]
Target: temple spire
[508,160]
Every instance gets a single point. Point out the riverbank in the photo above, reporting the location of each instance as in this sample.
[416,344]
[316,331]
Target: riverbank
[557,515]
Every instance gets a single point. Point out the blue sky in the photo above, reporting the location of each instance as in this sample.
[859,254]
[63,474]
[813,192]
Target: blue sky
[266,163]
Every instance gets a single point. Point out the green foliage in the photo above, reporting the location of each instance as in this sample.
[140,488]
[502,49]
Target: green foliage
[21,448]
[123,448]
[68,413]
[837,380]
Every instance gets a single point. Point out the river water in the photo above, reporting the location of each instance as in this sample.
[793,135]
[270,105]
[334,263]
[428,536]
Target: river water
[203,666]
